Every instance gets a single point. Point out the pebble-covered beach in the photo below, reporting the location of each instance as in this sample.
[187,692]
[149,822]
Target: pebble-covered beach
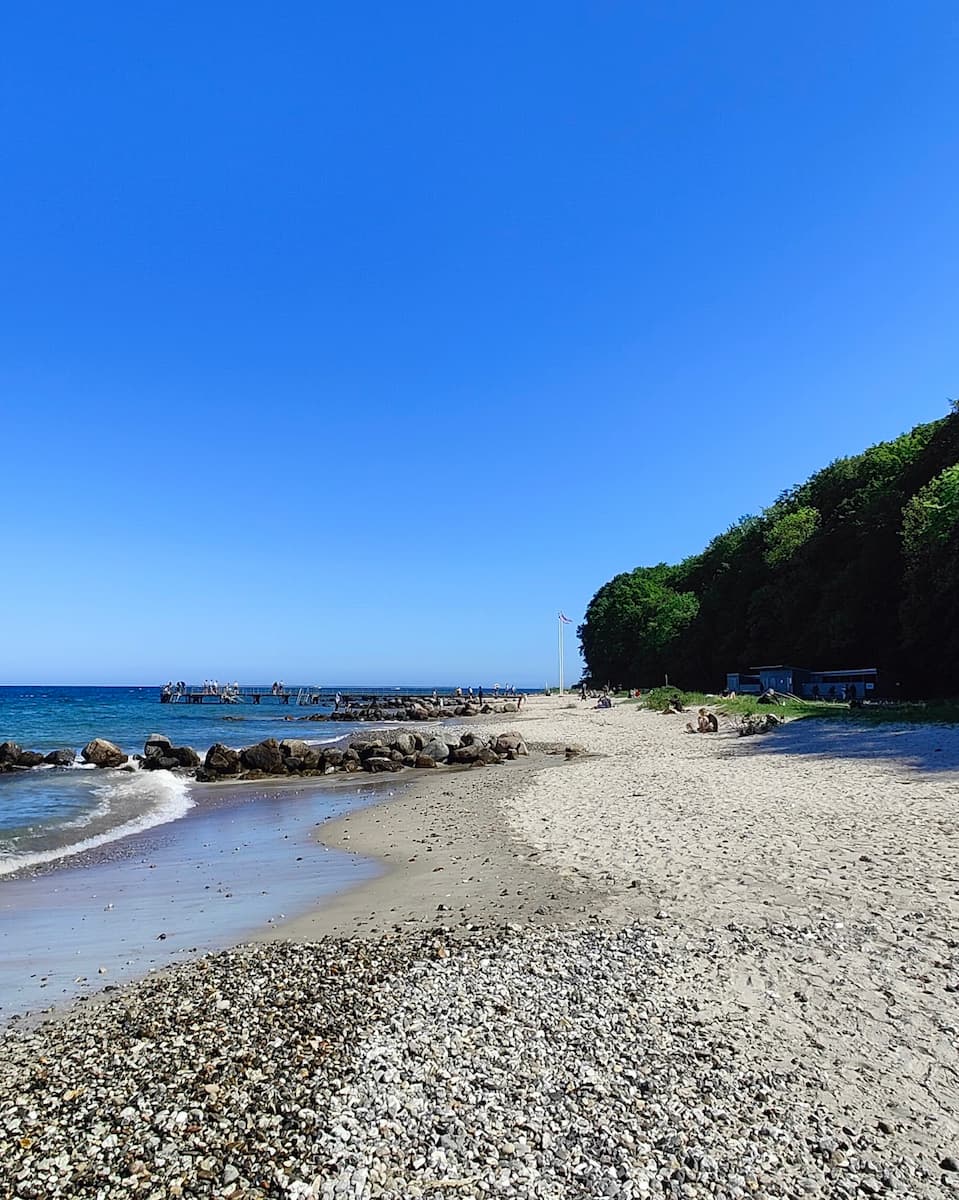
[526,1064]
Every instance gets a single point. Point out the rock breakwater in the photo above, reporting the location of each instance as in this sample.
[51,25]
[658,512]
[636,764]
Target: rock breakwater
[389,750]
[414,708]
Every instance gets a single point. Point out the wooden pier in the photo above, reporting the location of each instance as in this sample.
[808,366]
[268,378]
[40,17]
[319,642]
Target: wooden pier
[228,694]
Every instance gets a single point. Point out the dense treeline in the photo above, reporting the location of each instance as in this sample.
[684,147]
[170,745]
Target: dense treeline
[856,567]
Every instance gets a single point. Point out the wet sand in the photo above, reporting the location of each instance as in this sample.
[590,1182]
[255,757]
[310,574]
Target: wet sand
[243,859]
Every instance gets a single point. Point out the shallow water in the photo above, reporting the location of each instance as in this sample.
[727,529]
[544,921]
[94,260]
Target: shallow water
[241,860]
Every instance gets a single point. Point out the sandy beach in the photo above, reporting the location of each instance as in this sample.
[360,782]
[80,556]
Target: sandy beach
[842,835]
[788,903]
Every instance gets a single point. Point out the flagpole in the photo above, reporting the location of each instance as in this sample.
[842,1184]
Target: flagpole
[560,622]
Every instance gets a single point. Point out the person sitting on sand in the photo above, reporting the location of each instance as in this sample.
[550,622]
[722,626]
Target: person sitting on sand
[702,722]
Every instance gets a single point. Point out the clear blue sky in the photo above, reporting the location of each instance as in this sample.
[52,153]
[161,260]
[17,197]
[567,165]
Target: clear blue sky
[351,342]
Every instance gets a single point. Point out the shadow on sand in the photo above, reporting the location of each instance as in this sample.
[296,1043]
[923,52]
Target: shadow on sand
[918,747]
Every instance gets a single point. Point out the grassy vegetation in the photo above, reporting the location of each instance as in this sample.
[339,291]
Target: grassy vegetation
[939,712]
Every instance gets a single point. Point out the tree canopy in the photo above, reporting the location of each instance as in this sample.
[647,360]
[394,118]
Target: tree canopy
[858,566]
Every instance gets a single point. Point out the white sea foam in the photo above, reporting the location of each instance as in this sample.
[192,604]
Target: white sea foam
[151,798]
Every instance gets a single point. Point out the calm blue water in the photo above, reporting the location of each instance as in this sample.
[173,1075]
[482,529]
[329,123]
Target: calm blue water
[47,718]
[49,813]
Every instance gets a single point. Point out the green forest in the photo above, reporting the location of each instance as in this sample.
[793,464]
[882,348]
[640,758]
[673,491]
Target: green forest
[856,567]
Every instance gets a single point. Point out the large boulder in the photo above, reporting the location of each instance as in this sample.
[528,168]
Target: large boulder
[221,760]
[437,750]
[265,756]
[466,754]
[365,746]
[29,758]
[157,745]
[375,750]
[10,752]
[474,739]
[404,742]
[61,758]
[506,742]
[300,755]
[424,760]
[185,756]
[375,763]
[102,753]
[294,747]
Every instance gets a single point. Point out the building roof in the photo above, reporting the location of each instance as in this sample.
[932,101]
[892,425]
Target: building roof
[851,671]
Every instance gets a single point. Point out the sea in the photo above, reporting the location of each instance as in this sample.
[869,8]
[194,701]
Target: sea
[49,814]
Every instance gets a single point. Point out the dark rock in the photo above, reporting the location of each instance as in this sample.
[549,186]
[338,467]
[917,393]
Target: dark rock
[205,776]
[424,760]
[511,740]
[375,763]
[294,747]
[10,752]
[305,756]
[29,758]
[332,757]
[156,745]
[368,749]
[474,739]
[102,753]
[184,756]
[61,758]
[265,756]
[221,760]
[404,743]
[575,751]
[466,754]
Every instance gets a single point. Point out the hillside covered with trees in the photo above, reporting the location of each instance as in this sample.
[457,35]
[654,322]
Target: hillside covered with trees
[856,567]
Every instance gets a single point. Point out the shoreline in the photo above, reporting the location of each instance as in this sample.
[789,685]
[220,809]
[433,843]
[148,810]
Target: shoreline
[448,861]
[241,858]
